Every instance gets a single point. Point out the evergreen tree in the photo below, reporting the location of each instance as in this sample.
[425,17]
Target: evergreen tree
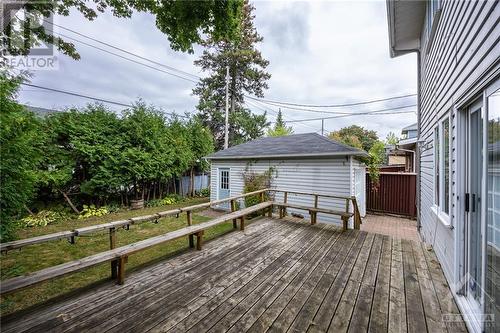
[246,75]
[280,128]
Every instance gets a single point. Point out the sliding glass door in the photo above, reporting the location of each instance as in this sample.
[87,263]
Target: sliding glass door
[492,253]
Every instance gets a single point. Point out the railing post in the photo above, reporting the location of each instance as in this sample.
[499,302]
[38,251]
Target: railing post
[199,240]
[357,216]
[189,217]
[285,200]
[112,245]
[121,269]
[315,201]
[233,209]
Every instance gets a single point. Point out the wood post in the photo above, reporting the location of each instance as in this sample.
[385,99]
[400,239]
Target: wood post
[285,200]
[313,215]
[189,217]
[112,245]
[270,212]
[233,209]
[199,240]
[345,221]
[357,216]
[242,223]
[315,201]
[121,269]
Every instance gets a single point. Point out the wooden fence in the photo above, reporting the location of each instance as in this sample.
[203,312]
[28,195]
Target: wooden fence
[395,194]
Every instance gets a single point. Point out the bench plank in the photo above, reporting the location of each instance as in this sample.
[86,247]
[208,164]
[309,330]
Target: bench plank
[317,210]
[36,240]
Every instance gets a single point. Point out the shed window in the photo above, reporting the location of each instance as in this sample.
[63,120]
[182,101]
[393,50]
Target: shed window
[442,166]
[224,180]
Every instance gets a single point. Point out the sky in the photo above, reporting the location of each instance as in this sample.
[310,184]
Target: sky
[320,52]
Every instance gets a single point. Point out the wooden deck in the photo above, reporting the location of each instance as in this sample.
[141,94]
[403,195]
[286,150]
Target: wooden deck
[277,275]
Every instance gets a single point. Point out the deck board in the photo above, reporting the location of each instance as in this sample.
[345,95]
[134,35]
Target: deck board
[278,275]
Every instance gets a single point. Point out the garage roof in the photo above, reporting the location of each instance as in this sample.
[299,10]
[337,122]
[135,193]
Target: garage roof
[296,145]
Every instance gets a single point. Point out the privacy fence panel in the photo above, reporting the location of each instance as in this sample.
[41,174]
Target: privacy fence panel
[395,194]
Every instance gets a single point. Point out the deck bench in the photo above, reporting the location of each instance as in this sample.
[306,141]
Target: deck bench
[120,255]
[313,211]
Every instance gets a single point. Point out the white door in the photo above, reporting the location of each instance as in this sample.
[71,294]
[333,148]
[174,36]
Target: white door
[224,187]
[360,189]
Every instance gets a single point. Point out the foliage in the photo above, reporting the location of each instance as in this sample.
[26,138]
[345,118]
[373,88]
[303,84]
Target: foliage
[246,75]
[254,181]
[353,134]
[168,200]
[184,22]
[392,139]
[92,210]
[377,156]
[280,128]
[204,192]
[20,143]
[358,137]
[43,218]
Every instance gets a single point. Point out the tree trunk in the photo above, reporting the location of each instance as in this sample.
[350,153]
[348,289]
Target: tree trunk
[191,182]
[28,210]
[68,200]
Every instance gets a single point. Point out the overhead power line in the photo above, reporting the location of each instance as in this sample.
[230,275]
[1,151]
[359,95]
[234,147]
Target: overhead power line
[90,97]
[126,51]
[279,103]
[382,111]
[125,58]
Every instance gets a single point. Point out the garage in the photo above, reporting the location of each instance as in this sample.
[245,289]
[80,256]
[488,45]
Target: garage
[301,162]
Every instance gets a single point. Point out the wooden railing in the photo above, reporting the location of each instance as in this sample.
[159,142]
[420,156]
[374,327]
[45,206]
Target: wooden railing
[71,235]
[355,213]
[118,257]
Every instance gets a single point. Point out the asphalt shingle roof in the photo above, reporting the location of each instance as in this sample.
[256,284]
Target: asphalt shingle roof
[296,145]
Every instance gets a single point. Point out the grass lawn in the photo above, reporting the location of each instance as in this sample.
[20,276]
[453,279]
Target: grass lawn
[36,257]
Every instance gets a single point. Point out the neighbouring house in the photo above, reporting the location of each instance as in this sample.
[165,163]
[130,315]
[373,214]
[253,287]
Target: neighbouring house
[300,162]
[458,187]
[403,154]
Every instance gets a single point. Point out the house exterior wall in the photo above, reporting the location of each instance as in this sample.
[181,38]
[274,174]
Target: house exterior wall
[331,176]
[459,61]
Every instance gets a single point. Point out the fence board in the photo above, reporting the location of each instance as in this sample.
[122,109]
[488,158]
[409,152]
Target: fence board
[395,194]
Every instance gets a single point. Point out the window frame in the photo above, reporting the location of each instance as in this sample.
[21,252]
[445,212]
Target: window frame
[439,169]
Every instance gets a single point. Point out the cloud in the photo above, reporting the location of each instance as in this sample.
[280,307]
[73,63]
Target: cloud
[320,52]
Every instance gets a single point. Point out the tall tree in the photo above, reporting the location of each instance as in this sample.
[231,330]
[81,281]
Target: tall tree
[21,140]
[280,128]
[247,74]
[184,22]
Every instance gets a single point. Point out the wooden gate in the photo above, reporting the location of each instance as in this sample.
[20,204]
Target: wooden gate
[395,194]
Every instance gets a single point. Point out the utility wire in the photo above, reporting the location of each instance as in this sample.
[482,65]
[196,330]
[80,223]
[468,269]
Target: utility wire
[90,97]
[126,58]
[278,103]
[125,51]
[382,111]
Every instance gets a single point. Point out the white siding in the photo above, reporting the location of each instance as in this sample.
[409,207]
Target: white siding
[331,176]
[461,59]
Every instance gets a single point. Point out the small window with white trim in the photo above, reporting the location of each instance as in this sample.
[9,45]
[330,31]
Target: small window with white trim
[442,139]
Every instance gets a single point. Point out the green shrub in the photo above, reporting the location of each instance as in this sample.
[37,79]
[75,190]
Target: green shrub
[43,218]
[92,210]
[204,192]
[168,200]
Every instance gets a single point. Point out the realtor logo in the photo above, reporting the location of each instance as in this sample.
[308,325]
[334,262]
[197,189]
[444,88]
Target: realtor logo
[27,34]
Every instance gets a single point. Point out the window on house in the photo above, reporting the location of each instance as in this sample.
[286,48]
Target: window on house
[442,166]
[432,7]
